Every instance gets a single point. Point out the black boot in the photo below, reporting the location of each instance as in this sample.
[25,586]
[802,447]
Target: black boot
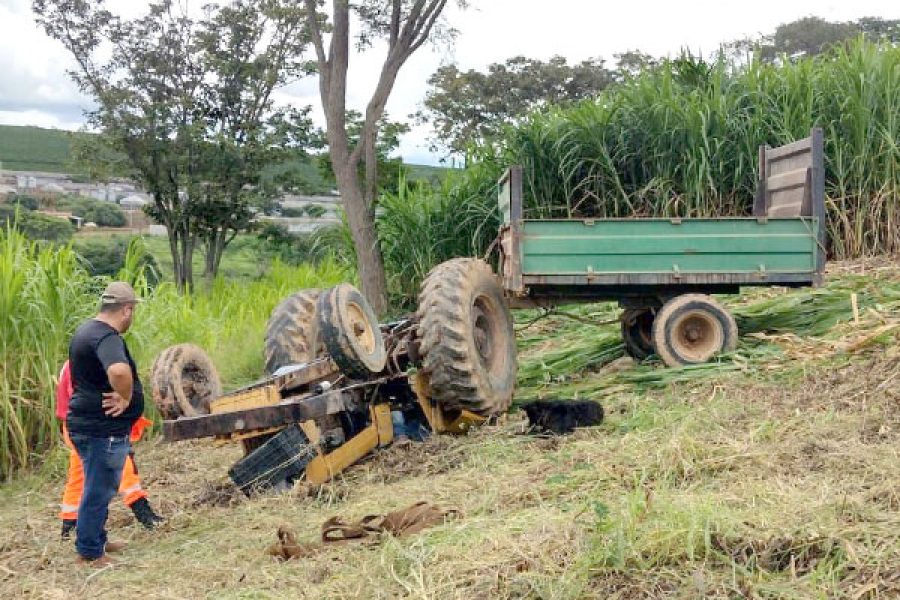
[143,512]
[68,527]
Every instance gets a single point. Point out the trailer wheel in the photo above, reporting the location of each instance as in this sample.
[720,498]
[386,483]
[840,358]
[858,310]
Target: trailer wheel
[637,332]
[184,381]
[691,328]
[292,332]
[349,329]
[466,338]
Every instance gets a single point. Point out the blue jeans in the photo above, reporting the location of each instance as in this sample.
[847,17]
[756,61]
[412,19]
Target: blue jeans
[102,459]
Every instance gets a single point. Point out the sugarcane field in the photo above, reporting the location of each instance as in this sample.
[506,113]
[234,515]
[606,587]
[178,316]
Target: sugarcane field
[428,299]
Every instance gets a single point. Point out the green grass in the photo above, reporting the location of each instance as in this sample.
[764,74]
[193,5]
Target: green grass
[241,261]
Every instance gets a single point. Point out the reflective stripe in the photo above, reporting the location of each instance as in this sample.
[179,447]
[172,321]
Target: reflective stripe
[135,488]
[68,508]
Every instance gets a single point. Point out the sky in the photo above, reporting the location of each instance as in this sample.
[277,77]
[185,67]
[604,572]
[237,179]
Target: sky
[35,89]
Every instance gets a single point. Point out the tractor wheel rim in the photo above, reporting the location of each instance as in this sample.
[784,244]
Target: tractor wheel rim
[360,328]
[697,335]
[485,331]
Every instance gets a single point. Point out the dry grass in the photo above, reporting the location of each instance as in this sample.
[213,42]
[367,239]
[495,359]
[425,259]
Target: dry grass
[740,486]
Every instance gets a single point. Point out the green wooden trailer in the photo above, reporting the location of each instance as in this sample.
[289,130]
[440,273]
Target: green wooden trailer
[662,271]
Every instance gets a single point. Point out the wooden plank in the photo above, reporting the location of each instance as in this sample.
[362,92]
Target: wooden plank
[788,164]
[817,195]
[787,150]
[512,267]
[759,202]
[789,180]
[594,266]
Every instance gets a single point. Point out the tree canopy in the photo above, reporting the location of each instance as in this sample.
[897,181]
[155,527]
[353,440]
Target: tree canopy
[188,100]
[472,106]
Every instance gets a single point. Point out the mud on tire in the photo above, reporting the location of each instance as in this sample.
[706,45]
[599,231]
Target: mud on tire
[466,338]
[184,381]
[292,332]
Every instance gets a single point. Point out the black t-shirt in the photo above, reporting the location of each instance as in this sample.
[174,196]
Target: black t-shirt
[94,347]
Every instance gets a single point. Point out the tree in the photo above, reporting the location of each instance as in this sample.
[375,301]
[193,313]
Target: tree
[106,257]
[631,63]
[472,106]
[810,36]
[181,97]
[405,25]
[390,169]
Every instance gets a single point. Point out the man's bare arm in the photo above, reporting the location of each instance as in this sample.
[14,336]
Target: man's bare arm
[122,383]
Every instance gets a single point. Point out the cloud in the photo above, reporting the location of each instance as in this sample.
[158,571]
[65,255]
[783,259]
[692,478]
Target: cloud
[34,87]
[34,84]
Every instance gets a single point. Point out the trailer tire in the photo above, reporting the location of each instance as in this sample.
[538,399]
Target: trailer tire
[466,338]
[350,331]
[184,381]
[292,332]
[691,329]
[637,332]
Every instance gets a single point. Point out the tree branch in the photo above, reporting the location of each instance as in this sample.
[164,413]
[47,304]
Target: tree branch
[315,32]
[431,16]
[395,23]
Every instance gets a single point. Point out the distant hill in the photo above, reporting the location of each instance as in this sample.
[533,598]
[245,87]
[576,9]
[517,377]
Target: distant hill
[38,149]
[34,149]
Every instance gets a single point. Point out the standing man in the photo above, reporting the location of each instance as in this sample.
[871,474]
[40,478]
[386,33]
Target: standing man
[108,399]
[134,495]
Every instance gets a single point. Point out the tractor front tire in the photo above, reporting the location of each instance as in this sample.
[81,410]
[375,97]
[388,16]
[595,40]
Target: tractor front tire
[184,381]
[292,332]
[466,338]
[349,329]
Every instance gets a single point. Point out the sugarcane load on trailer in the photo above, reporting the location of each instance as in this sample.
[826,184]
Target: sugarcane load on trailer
[340,384]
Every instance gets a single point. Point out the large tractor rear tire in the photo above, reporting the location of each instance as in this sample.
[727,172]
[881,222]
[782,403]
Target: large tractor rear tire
[466,338]
[184,381]
[292,333]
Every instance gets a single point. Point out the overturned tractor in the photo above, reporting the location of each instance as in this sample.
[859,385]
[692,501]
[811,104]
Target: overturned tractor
[339,384]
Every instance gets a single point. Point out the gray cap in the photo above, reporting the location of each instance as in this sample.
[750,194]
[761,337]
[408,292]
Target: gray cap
[119,292]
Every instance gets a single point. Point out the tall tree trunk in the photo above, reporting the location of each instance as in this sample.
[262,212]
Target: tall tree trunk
[176,258]
[362,227]
[215,243]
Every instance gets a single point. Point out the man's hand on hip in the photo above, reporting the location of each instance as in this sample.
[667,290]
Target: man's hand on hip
[114,404]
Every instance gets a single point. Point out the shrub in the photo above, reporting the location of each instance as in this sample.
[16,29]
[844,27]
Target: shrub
[106,256]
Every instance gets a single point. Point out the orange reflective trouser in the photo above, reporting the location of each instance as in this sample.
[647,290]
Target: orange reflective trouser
[130,487]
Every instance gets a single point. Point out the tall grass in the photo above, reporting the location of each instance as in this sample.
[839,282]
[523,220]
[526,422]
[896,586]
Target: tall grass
[45,293]
[422,226]
[682,139]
